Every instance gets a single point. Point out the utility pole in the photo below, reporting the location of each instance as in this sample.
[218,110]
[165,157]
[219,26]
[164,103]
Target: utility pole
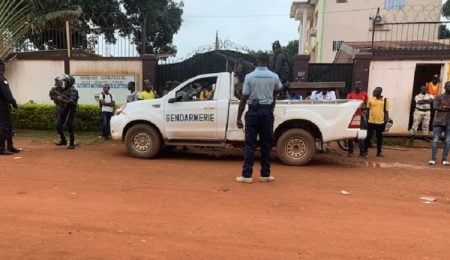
[217,41]
[144,34]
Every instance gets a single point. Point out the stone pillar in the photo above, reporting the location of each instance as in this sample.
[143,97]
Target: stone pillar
[149,63]
[300,68]
[361,68]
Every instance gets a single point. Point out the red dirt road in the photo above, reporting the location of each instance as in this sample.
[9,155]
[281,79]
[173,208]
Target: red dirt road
[102,204]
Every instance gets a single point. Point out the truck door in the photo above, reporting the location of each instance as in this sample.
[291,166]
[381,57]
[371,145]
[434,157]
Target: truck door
[193,116]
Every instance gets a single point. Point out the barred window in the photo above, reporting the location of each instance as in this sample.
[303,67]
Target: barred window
[394,4]
[337,45]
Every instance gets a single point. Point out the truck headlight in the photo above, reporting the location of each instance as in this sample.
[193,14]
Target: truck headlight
[120,110]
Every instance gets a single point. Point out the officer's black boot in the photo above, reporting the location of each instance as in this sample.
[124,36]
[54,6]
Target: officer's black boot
[3,151]
[72,141]
[10,147]
[62,140]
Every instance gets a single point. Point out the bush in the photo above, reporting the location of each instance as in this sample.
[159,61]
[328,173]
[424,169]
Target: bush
[42,117]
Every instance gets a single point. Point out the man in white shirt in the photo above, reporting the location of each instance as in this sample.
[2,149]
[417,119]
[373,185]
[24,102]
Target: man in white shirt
[107,104]
[133,96]
[422,113]
[323,95]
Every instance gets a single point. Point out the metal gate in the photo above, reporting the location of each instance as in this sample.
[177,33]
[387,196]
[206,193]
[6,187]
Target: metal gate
[331,72]
[210,62]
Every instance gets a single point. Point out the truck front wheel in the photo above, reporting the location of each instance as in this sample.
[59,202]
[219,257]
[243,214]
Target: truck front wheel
[143,141]
[296,147]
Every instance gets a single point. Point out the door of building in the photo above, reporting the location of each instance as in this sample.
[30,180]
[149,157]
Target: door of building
[423,74]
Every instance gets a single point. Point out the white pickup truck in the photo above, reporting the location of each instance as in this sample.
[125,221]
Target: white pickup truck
[184,117]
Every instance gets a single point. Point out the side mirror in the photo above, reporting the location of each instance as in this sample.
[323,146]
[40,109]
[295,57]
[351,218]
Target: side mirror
[172,100]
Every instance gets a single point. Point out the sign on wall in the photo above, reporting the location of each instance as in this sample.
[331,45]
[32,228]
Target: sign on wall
[91,86]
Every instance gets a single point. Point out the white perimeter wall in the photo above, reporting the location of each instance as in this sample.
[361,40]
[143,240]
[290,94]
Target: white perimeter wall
[109,68]
[32,79]
[397,78]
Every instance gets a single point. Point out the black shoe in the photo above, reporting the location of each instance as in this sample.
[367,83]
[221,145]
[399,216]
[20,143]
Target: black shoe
[71,146]
[380,155]
[6,152]
[61,143]
[426,139]
[411,138]
[15,150]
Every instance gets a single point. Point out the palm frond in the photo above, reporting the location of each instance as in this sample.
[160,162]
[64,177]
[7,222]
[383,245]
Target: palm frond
[17,17]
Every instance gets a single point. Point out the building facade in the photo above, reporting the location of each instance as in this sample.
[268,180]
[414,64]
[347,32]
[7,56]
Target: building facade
[325,24]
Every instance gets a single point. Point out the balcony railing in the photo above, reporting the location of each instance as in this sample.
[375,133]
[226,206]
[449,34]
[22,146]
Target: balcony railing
[411,36]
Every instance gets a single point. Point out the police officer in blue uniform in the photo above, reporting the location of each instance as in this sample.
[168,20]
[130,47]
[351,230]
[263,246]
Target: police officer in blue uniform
[68,100]
[6,124]
[258,91]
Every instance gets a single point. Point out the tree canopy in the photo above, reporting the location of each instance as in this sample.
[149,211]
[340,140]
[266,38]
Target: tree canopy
[291,49]
[446,9]
[112,18]
[17,17]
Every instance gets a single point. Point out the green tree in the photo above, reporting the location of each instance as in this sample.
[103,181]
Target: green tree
[162,19]
[291,49]
[113,18]
[18,17]
[446,9]
[444,32]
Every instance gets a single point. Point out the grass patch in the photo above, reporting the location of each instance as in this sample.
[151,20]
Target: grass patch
[46,136]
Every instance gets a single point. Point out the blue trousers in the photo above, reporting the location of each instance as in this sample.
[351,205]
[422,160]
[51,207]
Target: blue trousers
[106,120]
[258,122]
[437,131]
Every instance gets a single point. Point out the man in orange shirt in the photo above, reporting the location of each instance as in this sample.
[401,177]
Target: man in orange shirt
[433,87]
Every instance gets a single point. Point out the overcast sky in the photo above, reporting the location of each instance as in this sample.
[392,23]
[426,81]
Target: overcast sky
[252,23]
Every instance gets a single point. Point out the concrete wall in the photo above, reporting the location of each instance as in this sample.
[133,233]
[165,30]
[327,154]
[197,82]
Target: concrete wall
[32,79]
[110,68]
[397,78]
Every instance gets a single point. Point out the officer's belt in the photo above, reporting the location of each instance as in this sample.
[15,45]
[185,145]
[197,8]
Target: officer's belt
[422,110]
[259,107]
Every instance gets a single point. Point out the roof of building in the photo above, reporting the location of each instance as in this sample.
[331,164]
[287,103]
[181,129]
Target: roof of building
[348,50]
[400,45]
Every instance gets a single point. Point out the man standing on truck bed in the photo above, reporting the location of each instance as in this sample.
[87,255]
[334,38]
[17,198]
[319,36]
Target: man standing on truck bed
[258,90]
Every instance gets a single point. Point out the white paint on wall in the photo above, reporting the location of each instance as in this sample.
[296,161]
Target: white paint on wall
[108,67]
[90,87]
[397,79]
[33,79]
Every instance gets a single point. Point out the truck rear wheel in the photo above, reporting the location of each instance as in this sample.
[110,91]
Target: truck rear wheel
[143,141]
[296,147]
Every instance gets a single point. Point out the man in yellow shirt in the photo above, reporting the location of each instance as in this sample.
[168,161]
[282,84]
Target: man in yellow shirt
[378,116]
[149,92]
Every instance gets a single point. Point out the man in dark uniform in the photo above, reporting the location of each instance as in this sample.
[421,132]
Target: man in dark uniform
[280,65]
[54,93]
[258,90]
[68,100]
[6,125]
